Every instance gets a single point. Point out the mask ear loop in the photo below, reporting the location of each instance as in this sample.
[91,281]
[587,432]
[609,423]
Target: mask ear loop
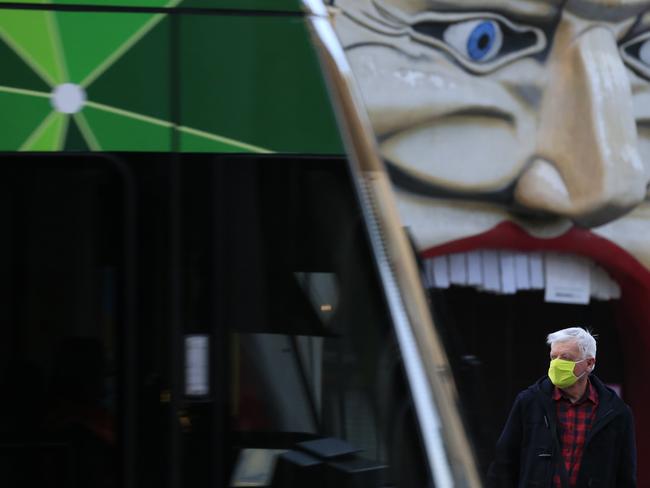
[585,371]
[591,369]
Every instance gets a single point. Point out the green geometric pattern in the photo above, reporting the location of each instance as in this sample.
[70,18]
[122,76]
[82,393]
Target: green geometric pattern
[260,5]
[33,109]
[33,35]
[49,136]
[235,90]
[112,35]
[262,79]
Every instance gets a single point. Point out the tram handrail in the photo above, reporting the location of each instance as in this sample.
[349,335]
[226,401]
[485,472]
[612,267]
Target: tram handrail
[447,447]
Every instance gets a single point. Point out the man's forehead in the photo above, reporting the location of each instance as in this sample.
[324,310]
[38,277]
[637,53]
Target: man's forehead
[614,10]
[564,346]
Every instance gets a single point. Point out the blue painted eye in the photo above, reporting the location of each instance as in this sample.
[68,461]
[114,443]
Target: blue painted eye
[477,40]
[481,40]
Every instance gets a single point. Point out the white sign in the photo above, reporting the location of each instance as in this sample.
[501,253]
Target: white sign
[567,279]
[197,365]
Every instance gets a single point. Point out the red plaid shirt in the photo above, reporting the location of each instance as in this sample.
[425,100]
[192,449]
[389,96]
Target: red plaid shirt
[574,420]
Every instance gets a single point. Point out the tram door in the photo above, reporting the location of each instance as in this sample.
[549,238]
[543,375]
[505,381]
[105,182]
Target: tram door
[63,270]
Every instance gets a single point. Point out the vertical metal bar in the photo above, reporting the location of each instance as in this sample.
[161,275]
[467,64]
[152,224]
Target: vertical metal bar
[509,346]
[220,360]
[175,263]
[17,260]
[175,78]
[130,331]
[341,389]
[175,324]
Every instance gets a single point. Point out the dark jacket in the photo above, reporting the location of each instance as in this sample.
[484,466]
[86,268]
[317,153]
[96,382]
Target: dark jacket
[528,450]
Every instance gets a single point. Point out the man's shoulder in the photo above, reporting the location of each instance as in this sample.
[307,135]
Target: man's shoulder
[542,387]
[608,395]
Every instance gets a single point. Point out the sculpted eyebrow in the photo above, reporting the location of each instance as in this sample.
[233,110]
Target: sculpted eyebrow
[536,9]
[611,11]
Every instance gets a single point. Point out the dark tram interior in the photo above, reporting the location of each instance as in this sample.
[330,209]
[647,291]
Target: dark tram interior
[194,320]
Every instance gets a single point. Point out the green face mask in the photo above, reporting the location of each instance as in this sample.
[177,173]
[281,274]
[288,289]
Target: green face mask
[561,372]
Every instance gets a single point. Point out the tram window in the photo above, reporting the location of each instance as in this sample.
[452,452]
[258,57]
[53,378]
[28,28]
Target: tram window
[61,263]
[312,351]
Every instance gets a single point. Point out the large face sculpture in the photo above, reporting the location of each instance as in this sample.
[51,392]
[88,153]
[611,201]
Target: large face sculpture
[516,131]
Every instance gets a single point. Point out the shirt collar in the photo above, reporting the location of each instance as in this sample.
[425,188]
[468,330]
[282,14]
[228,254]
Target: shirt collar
[590,394]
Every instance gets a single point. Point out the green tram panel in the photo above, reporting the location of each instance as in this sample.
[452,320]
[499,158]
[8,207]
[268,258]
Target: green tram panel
[158,81]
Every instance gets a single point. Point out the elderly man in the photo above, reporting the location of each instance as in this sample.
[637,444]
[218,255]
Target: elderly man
[568,429]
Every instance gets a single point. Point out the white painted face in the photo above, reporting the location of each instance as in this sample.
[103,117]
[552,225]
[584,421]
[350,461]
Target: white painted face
[509,110]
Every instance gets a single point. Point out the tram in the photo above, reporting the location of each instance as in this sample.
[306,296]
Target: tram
[204,278]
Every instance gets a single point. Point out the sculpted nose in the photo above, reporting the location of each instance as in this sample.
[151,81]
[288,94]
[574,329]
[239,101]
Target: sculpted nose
[587,165]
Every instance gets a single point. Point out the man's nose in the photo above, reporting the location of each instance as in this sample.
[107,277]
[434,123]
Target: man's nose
[587,165]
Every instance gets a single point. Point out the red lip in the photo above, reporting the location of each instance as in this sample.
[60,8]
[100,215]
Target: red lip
[507,235]
[633,309]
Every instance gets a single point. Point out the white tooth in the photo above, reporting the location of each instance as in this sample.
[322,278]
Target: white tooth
[616,291]
[603,287]
[613,288]
[458,269]
[491,278]
[426,279]
[522,273]
[567,279]
[600,288]
[474,271]
[441,272]
[427,273]
[536,263]
[507,265]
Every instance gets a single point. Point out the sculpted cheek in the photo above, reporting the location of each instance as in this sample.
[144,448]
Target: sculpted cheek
[445,126]
[462,152]
[641,104]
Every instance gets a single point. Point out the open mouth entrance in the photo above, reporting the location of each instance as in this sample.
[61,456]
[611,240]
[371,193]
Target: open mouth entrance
[496,346]
[496,335]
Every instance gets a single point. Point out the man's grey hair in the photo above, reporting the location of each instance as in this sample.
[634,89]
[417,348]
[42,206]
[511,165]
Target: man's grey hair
[586,342]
